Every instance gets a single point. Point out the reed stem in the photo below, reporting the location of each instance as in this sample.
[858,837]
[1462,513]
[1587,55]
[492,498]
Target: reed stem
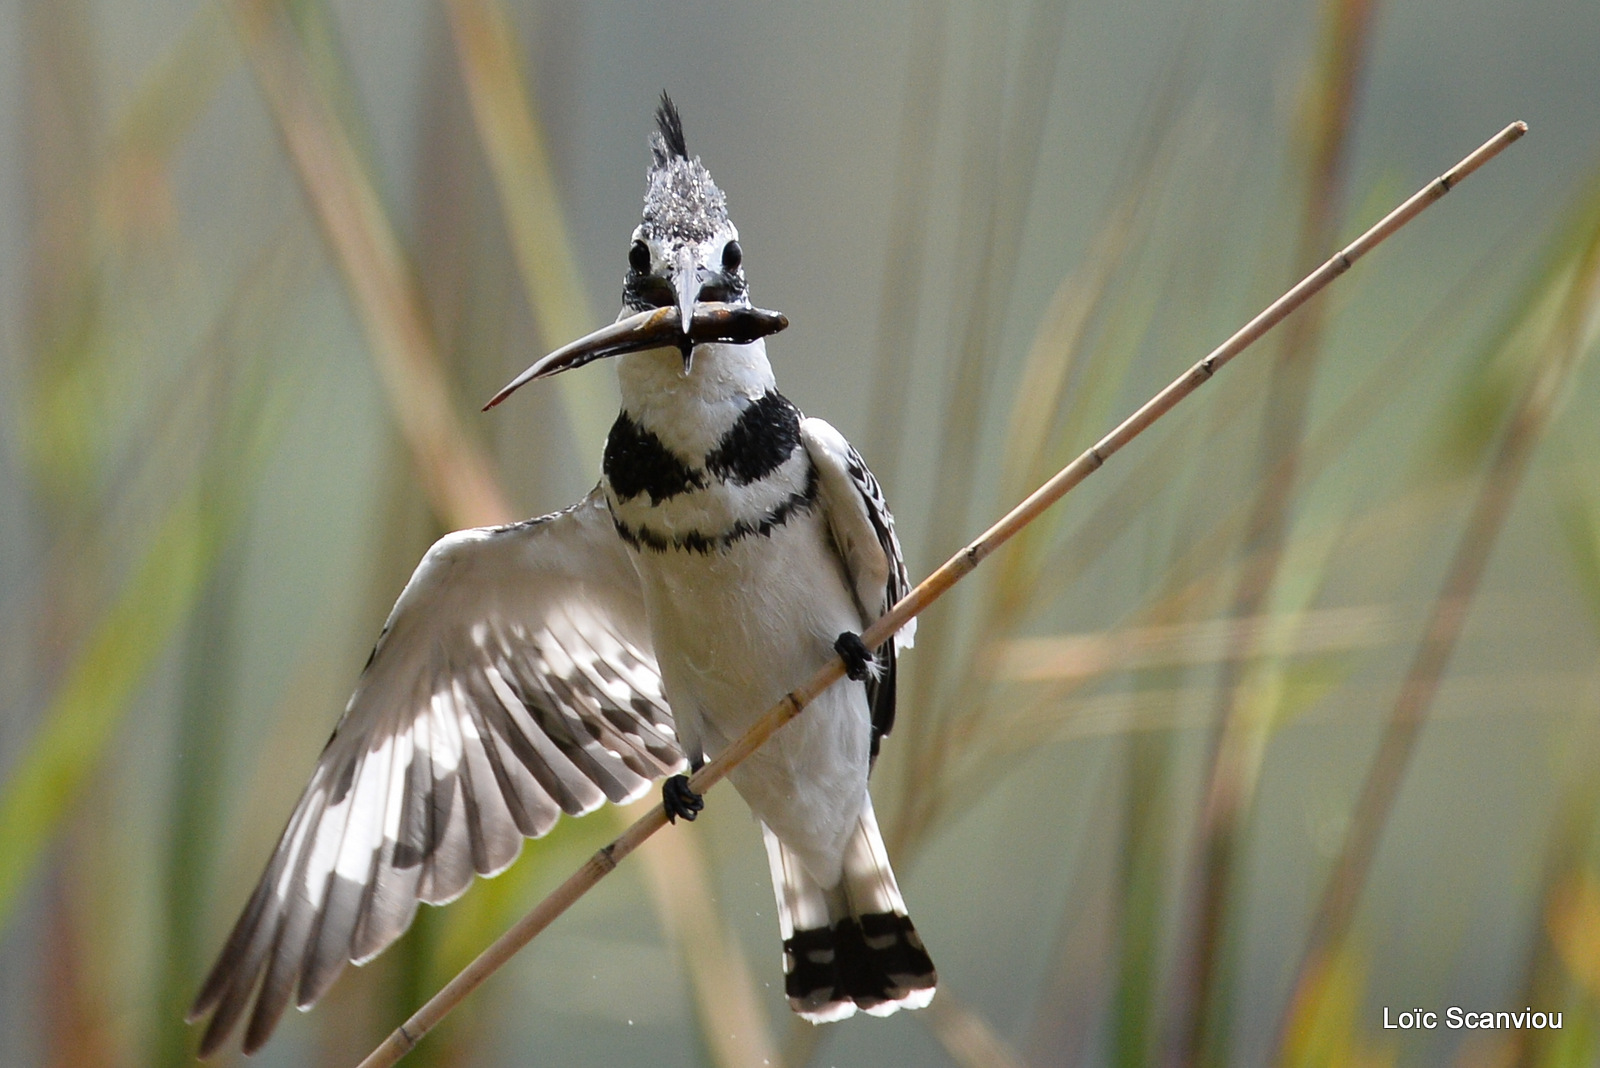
[963,563]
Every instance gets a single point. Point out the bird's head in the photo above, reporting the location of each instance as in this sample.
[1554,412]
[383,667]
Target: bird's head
[685,250]
[685,284]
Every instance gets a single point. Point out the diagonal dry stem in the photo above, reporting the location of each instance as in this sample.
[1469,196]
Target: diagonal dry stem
[605,861]
[514,146]
[454,470]
[967,1036]
[733,1024]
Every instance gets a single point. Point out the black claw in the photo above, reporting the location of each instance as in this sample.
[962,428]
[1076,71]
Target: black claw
[679,800]
[857,660]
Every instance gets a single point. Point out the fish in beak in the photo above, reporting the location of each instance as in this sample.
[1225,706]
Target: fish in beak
[682,328]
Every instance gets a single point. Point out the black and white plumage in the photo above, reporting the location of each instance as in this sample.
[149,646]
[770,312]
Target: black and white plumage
[548,666]
[513,681]
[760,536]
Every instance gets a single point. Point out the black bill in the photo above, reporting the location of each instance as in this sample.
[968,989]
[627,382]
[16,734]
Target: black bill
[658,328]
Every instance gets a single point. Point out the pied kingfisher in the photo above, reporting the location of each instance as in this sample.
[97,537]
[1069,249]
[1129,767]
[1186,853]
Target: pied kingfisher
[731,547]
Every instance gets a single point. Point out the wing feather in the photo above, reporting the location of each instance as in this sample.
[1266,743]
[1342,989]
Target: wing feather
[863,532]
[513,681]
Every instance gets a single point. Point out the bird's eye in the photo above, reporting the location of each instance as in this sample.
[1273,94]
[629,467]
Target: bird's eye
[639,257]
[732,256]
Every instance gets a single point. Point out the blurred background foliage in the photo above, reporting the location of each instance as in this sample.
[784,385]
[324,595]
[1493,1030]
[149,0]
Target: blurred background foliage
[1286,717]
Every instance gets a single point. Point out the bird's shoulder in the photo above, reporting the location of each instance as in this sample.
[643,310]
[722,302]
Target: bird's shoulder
[860,519]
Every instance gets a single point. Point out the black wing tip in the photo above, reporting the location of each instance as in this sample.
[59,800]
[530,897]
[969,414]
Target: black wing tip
[271,1001]
[670,124]
[212,1041]
[225,1014]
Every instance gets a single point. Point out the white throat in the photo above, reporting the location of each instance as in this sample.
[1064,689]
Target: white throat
[690,412]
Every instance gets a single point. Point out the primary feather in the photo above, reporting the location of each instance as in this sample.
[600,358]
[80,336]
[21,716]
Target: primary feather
[513,681]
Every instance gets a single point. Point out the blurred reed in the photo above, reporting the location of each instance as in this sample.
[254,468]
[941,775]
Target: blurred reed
[1201,1009]
[514,146]
[908,239]
[1549,337]
[142,478]
[1201,1027]
[1560,971]
[147,411]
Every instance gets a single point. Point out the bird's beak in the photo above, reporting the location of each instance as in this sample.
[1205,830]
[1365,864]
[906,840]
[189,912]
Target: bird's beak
[733,324]
[686,280]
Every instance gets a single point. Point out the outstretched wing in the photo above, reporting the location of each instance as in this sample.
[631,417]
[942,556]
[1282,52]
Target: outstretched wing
[513,681]
[863,532]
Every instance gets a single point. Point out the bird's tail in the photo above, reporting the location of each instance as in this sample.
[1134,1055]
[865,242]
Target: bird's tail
[851,946]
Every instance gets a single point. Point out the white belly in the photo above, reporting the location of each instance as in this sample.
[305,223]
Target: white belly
[737,628]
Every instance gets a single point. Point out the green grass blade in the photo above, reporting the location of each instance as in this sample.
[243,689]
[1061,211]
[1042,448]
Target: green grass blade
[84,714]
[535,224]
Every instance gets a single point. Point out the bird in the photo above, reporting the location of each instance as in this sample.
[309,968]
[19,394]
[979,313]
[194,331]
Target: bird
[731,548]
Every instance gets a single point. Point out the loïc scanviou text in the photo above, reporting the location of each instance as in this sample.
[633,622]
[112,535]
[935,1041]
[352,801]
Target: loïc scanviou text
[1457,1018]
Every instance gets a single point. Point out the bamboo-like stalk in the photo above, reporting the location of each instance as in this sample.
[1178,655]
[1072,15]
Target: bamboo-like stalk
[1189,581]
[1193,577]
[1576,331]
[926,593]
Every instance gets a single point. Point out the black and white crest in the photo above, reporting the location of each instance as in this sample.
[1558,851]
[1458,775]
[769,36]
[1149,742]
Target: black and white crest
[670,123]
[682,203]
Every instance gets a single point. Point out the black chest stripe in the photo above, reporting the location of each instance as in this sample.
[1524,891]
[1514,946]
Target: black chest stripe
[643,538]
[765,435]
[636,461]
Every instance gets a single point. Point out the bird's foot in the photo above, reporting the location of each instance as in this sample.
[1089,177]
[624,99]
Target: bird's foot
[679,800]
[857,659]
